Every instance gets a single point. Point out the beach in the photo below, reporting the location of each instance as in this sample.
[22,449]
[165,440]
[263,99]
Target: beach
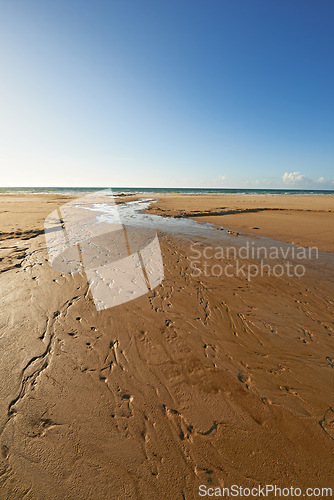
[303,220]
[214,379]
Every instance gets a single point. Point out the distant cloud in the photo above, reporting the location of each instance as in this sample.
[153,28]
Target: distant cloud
[289,180]
[325,182]
[295,178]
[298,179]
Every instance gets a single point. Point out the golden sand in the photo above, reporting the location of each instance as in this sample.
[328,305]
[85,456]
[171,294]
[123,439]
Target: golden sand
[302,220]
[201,381]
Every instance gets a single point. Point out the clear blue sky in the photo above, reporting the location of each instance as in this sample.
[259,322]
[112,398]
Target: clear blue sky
[220,93]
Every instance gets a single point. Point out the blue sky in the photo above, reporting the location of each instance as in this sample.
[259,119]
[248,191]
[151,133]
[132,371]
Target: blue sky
[218,93]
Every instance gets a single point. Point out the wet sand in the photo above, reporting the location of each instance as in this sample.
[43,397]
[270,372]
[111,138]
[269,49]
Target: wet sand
[301,220]
[204,380]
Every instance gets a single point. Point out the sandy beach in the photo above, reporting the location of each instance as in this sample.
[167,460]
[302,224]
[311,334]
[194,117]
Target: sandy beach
[205,380]
[301,220]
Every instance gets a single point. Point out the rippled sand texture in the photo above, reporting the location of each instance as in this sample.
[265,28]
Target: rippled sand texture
[201,381]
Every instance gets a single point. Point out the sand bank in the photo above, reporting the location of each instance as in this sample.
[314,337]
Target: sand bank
[302,220]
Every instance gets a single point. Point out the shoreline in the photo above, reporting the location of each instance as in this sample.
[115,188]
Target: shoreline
[300,220]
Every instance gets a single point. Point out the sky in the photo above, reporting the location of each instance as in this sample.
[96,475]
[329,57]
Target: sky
[184,93]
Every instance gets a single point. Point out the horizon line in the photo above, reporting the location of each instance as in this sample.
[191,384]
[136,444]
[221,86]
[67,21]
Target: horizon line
[174,187]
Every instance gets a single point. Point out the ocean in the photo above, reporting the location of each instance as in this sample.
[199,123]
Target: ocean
[147,191]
